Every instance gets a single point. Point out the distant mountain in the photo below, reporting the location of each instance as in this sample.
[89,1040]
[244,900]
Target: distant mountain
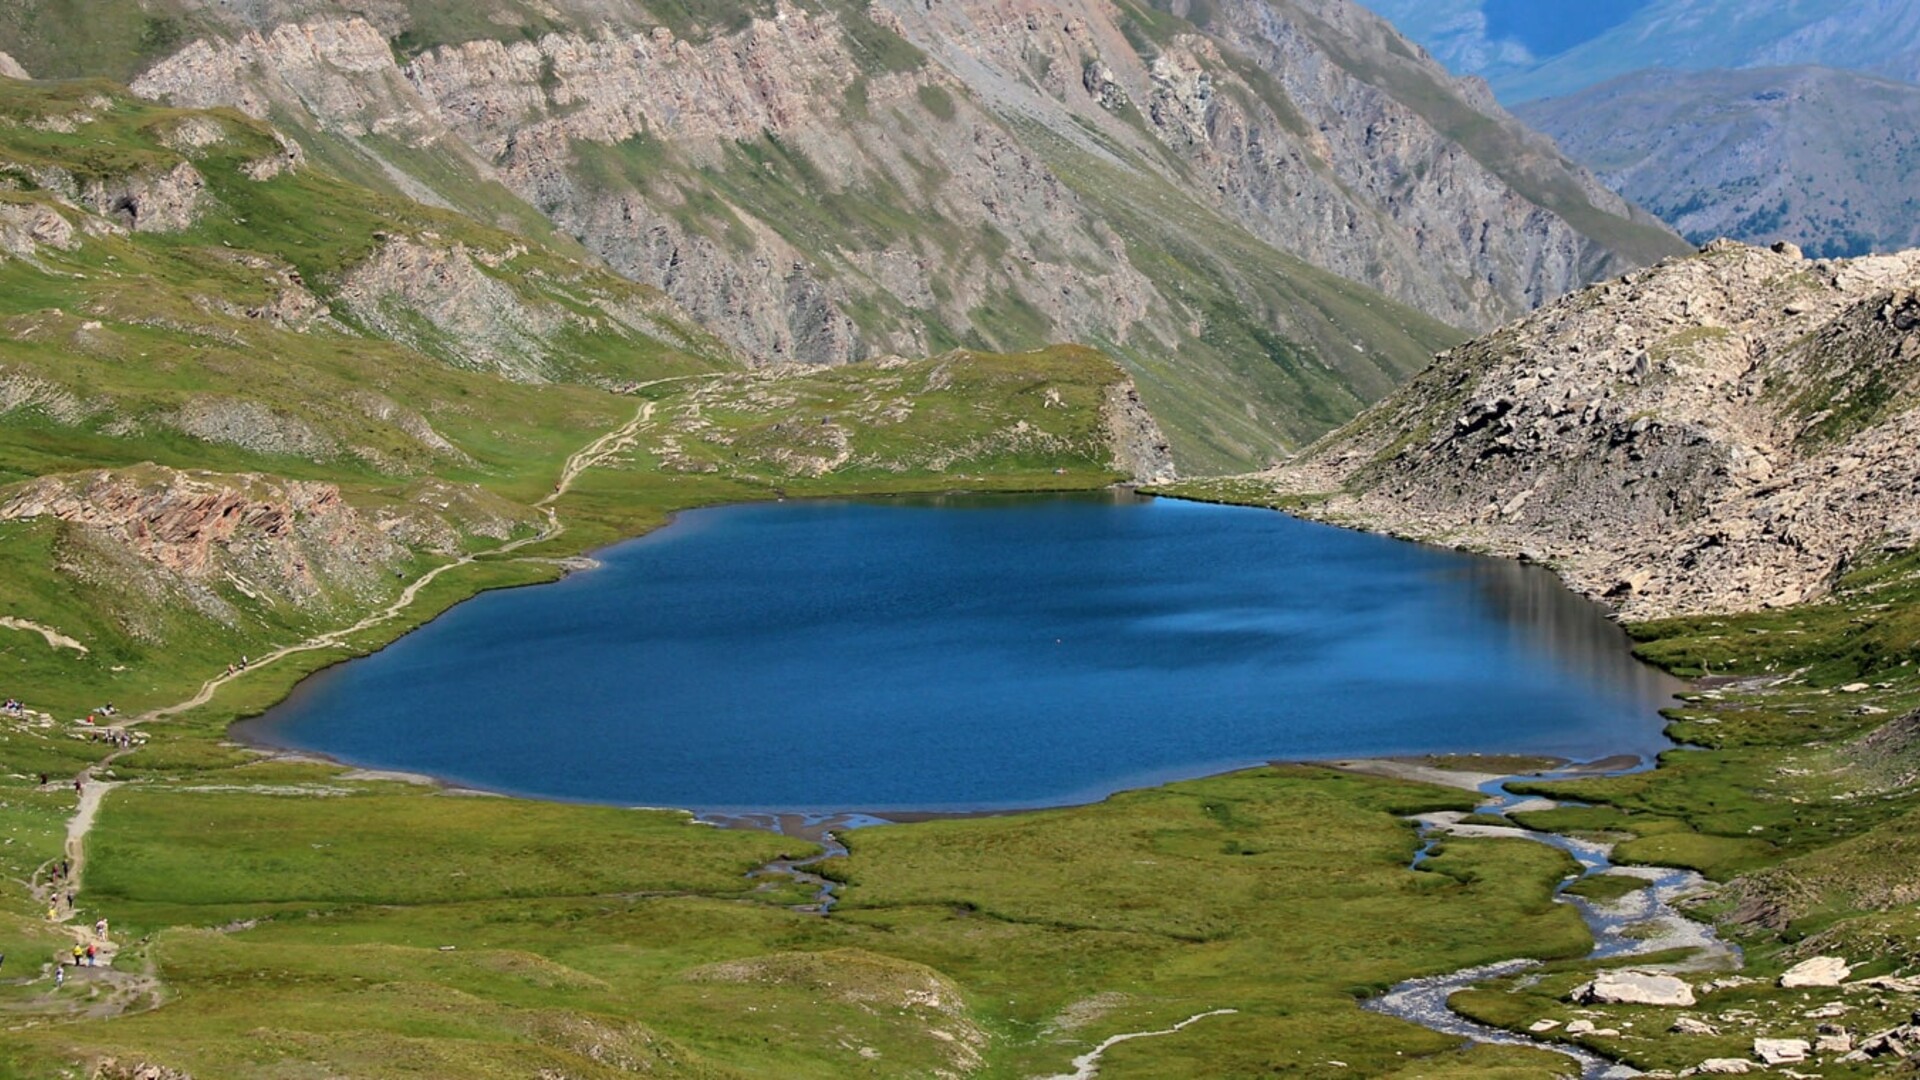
[1820,157]
[1527,56]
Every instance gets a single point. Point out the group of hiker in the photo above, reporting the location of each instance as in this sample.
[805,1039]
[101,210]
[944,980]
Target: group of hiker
[87,955]
[13,707]
[120,738]
[233,669]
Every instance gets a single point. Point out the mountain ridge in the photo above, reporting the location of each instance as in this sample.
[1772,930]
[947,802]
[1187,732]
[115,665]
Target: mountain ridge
[827,181]
[1815,156]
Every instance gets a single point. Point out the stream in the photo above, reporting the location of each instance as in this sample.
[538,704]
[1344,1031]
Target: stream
[818,828]
[1639,924]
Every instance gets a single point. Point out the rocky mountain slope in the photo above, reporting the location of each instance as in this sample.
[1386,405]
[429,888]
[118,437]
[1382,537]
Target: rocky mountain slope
[1718,433]
[1811,155]
[243,400]
[1879,37]
[1214,204]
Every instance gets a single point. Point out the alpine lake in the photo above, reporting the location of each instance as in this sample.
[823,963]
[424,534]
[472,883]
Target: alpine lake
[979,653]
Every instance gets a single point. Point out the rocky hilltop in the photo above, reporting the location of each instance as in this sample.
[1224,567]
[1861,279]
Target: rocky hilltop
[1723,432]
[1211,195]
[1815,156]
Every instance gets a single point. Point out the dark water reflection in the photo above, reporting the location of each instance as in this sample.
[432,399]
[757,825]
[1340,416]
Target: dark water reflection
[979,652]
[1542,615]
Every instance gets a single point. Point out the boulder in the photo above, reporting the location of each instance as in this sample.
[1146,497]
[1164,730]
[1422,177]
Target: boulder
[1781,1051]
[1723,1067]
[1834,1044]
[1902,1041]
[1539,1027]
[1819,971]
[1688,1025]
[1634,988]
[1581,1027]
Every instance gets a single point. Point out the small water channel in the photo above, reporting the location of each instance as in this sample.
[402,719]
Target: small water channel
[1642,923]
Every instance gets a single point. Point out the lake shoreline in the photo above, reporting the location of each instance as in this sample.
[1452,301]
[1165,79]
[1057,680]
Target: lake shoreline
[808,824]
[1554,654]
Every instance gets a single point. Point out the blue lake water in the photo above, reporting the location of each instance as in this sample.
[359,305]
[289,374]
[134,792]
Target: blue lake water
[972,652]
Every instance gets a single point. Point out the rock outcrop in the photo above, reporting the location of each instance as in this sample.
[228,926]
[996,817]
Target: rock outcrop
[26,227]
[11,69]
[1140,448]
[1722,432]
[206,540]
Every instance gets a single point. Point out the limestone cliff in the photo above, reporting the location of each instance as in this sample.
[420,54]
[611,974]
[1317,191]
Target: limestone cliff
[1718,433]
[822,182]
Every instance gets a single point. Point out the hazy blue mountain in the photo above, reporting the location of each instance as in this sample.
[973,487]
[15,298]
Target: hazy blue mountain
[1529,50]
[1820,157]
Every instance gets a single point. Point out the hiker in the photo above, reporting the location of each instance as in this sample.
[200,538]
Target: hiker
[100,929]
[59,977]
[93,955]
[78,954]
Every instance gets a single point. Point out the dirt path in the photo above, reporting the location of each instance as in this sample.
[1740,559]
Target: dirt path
[1087,1065]
[613,442]
[111,992]
[55,639]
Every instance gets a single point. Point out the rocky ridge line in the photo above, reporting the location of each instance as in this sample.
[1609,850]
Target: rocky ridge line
[1718,433]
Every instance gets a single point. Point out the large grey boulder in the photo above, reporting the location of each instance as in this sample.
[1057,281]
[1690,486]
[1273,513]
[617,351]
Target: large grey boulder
[1634,988]
[1819,971]
[1781,1051]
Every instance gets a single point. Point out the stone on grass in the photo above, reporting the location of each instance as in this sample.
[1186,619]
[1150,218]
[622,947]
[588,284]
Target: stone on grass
[1581,1027]
[1891,982]
[1724,1067]
[1781,1051]
[1540,1026]
[1634,988]
[1834,1044]
[1902,1041]
[1819,971]
[1688,1025]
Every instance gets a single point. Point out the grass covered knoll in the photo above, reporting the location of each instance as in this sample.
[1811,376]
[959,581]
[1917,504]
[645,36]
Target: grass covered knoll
[301,919]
